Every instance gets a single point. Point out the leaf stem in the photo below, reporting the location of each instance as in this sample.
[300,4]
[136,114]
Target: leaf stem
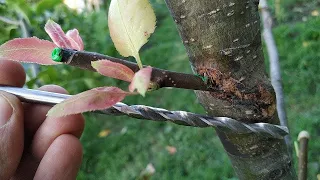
[137,57]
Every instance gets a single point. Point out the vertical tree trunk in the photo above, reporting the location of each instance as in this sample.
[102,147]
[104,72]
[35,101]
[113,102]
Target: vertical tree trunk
[223,41]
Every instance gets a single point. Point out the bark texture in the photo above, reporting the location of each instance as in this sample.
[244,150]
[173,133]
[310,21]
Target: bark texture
[223,42]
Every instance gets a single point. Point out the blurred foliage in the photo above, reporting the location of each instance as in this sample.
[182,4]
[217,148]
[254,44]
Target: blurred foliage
[299,48]
[131,144]
[290,11]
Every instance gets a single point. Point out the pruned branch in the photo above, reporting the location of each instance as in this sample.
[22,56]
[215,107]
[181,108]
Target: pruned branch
[160,78]
[303,139]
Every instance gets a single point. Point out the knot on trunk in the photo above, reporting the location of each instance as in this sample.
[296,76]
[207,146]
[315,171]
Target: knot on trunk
[259,101]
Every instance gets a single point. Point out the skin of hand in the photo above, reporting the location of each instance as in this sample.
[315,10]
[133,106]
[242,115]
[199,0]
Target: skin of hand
[33,146]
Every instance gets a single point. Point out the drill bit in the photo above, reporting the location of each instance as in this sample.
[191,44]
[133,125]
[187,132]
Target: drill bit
[157,114]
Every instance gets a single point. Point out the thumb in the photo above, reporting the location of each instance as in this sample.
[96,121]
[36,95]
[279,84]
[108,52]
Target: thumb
[11,134]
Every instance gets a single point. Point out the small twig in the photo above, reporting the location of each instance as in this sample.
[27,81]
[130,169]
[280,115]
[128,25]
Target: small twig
[26,33]
[9,21]
[277,7]
[23,26]
[296,148]
[303,139]
[160,78]
[275,72]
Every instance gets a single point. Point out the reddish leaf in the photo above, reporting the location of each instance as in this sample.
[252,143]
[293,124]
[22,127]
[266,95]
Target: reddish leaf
[171,149]
[75,39]
[114,70]
[141,81]
[91,100]
[29,50]
[57,35]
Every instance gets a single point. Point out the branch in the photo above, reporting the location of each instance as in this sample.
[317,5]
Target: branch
[9,21]
[275,72]
[25,32]
[303,139]
[160,78]
[24,27]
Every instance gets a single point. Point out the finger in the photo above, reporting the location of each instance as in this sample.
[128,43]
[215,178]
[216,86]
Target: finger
[27,167]
[35,114]
[62,160]
[12,74]
[52,128]
[11,134]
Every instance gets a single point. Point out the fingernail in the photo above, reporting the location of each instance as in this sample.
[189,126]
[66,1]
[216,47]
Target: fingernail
[6,110]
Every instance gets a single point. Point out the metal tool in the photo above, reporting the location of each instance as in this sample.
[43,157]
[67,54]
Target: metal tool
[156,114]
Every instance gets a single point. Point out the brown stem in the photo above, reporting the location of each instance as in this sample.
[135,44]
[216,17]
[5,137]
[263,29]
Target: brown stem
[160,78]
[303,139]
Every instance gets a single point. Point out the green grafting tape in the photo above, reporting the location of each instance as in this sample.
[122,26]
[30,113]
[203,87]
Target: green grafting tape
[204,78]
[56,55]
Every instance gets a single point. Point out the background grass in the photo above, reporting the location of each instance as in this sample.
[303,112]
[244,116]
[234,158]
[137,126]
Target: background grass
[132,144]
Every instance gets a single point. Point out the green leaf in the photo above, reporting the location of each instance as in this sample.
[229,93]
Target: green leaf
[45,5]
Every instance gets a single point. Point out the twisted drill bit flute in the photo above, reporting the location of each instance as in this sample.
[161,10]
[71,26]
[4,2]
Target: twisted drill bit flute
[156,114]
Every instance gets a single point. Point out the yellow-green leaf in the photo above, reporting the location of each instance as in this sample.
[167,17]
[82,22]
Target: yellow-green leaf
[131,22]
[104,133]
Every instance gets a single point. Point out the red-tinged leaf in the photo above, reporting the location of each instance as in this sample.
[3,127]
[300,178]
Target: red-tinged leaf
[113,70]
[75,39]
[28,50]
[171,149]
[141,81]
[57,35]
[91,100]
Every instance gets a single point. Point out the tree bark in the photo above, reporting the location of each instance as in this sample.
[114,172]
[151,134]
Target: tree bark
[223,42]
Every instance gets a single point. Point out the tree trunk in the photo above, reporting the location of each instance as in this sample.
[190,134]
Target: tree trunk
[223,41]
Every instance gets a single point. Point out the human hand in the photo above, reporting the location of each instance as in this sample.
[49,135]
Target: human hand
[33,146]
